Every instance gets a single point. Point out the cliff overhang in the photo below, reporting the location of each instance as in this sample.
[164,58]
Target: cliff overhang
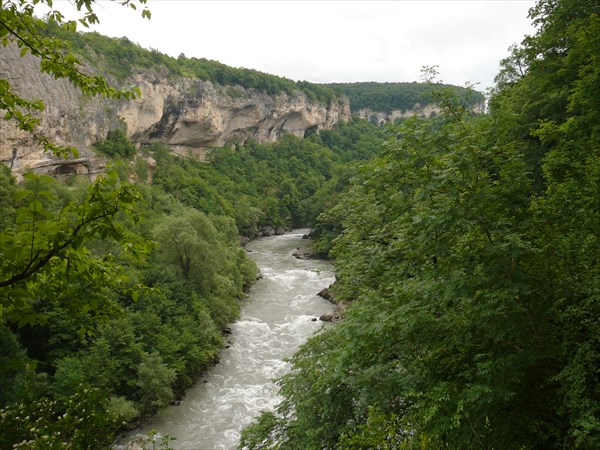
[189,115]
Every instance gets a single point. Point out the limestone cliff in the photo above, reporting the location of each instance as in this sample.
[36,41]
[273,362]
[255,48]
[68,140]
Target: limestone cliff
[188,115]
[193,115]
[381,118]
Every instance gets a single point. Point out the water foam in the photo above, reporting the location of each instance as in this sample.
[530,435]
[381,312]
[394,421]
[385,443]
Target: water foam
[276,319]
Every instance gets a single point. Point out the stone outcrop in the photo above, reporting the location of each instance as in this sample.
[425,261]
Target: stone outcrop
[304,252]
[192,115]
[327,294]
[326,317]
[268,230]
[381,118]
[69,118]
[188,115]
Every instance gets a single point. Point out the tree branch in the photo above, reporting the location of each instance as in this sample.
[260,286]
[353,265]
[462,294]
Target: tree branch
[32,268]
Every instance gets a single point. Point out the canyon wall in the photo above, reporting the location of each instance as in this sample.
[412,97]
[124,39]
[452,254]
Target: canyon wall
[381,118]
[188,115]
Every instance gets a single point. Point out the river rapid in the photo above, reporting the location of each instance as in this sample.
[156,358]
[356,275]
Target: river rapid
[276,318]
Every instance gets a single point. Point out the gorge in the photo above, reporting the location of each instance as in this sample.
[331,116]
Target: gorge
[465,248]
[277,317]
[189,115]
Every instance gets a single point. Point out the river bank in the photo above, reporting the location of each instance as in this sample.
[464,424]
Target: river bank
[277,317]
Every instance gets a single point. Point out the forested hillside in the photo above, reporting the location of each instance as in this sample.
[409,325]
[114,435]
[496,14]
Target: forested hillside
[115,294]
[135,282]
[387,97]
[121,57]
[468,250]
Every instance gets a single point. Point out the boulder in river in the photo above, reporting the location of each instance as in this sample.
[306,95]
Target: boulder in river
[266,231]
[303,253]
[326,317]
[327,294]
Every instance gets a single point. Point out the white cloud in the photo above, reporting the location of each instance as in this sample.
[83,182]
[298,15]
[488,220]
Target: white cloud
[326,41]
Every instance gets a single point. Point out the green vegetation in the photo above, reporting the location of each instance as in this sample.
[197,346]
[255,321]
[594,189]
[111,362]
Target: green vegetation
[134,284]
[116,294]
[386,97]
[280,184]
[468,249]
[121,58]
[116,144]
[94,300]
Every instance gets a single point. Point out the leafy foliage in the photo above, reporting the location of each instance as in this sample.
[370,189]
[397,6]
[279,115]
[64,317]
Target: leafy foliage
[386,97]
[7,197]
[80,422]
[87,300]
[121,58]
[468,249]
[45,250]
[116,144]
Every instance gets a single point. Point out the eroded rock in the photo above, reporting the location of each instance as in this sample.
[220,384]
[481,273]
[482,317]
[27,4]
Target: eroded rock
[188,115]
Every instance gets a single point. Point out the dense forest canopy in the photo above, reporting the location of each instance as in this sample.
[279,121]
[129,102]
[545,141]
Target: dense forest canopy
[115,294]
[466,249]
[122,58]
[387,97]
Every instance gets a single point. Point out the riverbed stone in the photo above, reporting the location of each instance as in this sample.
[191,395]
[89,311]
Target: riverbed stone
[327,294]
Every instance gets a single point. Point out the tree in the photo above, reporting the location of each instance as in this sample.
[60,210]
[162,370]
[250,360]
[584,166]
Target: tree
[205,251]
[116,145]
[565,129]
[19,26]
[7,197]
[188,240]
[46,249]
[42,239]
[469,249]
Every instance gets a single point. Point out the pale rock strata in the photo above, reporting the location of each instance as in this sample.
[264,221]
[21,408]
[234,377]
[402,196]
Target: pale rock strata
[381,118]
[188,115]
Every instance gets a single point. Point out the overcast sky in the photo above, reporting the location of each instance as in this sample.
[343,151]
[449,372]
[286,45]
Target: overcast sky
[333,41]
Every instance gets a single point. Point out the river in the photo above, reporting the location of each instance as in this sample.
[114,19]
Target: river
[276,318]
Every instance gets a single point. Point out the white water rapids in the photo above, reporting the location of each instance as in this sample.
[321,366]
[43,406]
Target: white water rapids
[275,321]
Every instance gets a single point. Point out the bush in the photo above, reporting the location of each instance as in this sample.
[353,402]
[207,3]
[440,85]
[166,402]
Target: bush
[116,144]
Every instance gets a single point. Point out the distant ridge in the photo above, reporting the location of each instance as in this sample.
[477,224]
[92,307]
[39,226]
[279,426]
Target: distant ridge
[403,97]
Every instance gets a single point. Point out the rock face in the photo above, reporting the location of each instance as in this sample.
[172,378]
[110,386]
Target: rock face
[193,115]
[270,231]
[381,118]
[327,294]
[69,118]
[188,115]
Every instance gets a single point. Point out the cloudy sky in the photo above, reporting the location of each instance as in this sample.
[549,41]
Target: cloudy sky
[333,41]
